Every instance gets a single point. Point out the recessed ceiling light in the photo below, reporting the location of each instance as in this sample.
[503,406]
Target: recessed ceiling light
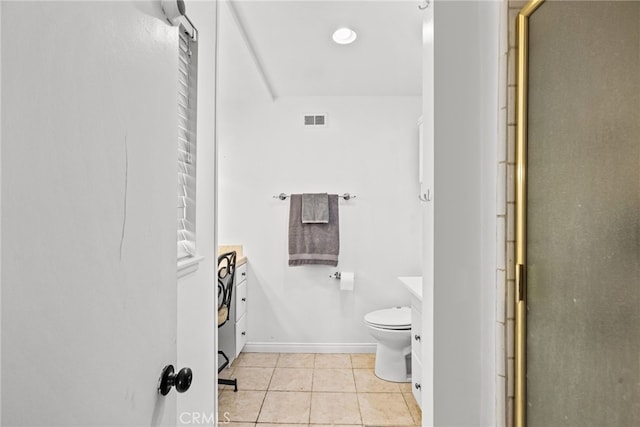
[344,36]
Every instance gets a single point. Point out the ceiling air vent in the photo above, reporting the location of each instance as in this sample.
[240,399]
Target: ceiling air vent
[315,120]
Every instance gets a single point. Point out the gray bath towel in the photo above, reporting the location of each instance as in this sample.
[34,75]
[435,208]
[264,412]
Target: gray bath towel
[315,208]
[313,243]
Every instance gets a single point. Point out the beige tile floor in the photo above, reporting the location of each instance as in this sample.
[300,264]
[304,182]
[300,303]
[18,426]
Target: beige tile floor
[292,389]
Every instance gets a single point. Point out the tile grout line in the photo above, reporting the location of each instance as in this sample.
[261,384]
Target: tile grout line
[410,412]
[267,390]
[355,386]
[313,376]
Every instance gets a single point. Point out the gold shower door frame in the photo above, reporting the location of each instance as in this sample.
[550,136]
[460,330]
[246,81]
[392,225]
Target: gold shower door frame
[520,384]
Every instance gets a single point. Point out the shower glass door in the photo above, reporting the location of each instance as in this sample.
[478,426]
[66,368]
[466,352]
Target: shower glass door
[582,215]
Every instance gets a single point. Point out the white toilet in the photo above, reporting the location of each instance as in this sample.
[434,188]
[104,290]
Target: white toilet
[391,328]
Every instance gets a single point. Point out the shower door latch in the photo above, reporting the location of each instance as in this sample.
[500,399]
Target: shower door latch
[521,282]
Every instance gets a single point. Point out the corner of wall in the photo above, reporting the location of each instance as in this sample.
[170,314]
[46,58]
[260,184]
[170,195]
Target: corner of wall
[501,211]
[508,85]
[483,218]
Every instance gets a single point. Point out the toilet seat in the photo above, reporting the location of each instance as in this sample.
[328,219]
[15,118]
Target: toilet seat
[396,318]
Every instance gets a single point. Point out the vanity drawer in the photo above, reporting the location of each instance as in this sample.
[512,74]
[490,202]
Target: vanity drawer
[241,334]
[416,332]
[416,378]
[241,273]
[241,300]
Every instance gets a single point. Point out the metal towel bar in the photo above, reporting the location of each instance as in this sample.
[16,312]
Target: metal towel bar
[283,196]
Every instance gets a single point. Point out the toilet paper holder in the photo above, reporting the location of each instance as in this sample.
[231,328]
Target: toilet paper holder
[336,275]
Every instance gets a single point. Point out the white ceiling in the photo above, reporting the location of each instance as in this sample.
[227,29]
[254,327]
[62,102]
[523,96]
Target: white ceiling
[293,46]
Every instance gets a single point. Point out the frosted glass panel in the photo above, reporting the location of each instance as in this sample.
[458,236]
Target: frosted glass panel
[583,248]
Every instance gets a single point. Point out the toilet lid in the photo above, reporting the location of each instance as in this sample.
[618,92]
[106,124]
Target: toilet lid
[390,317]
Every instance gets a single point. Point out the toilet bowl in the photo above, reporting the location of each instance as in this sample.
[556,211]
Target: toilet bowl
[391,328]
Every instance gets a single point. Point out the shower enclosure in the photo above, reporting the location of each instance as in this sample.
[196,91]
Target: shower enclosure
[578,214]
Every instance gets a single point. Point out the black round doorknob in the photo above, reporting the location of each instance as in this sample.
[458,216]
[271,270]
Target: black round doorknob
[168,379]
[183,380]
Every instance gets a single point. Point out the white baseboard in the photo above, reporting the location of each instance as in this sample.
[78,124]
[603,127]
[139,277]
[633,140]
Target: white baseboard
[282,347]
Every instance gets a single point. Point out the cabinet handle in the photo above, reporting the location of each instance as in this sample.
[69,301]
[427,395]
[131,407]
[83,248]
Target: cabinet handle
[244,299]
[418,387]
[244,333]
[417,337]
[244,273]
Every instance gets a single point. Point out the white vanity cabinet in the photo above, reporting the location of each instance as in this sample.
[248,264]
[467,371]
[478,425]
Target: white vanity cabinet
[232,336]
[416,349]
[240,314]
[414,285]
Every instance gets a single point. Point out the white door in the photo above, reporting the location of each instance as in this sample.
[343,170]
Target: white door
[88,213]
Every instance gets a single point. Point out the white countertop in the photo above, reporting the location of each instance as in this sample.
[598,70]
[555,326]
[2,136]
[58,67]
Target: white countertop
[414,284]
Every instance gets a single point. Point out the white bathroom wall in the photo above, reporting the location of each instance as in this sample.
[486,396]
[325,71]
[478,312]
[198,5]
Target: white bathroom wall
[369,149]
[197,328]
[466,124]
